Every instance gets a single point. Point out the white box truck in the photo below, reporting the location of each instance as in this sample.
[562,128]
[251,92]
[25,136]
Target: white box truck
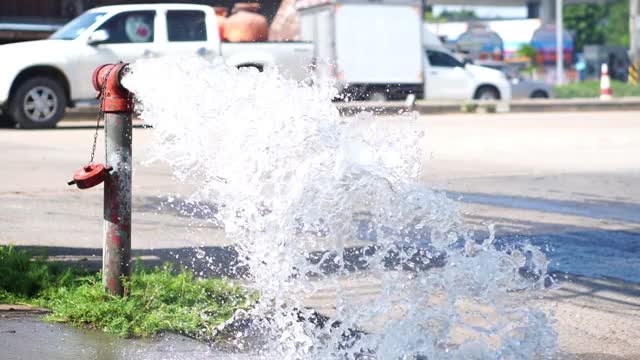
[373,50]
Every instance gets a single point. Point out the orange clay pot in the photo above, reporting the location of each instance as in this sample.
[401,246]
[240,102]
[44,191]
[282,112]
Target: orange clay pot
[245,24]
[221,17]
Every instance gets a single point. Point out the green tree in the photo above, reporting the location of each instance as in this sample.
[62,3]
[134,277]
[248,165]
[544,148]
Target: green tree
[449,15]
[458,15]
[598,24]
[528,51]
[585,21]
[616,25]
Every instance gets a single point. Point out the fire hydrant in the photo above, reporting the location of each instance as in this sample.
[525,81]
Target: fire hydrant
[117,107]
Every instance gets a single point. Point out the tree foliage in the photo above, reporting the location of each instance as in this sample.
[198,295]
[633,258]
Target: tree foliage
[530,52]
[458,15]
[449,15]
[598,24]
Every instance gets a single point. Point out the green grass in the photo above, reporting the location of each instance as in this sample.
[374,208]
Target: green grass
[23,277]
[158,299]
[591,89]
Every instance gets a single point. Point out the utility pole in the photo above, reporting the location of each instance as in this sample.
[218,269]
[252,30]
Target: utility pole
[633,30]
[634,65]
[559,44]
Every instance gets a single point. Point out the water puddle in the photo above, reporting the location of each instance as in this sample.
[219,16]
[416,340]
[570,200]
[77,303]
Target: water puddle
[28,337]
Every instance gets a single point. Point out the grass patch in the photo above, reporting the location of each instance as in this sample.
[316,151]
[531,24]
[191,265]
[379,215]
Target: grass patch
[158,299]
[591,89]
[23,278]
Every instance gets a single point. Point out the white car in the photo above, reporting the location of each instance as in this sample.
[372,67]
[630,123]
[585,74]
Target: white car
[448,78]
[40,79]
[521,87]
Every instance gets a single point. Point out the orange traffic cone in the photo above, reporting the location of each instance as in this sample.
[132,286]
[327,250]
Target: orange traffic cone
[605,83]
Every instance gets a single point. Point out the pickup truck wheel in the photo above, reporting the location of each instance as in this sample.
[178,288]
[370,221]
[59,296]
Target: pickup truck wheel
[6,121]
[487,93]
[38,103]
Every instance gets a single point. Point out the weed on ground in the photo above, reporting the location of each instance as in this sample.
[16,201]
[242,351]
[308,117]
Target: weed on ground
[157,300]
[591,89]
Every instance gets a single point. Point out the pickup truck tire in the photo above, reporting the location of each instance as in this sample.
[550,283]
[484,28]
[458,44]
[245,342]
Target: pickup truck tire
[486,92]
[38,103]
[6,121]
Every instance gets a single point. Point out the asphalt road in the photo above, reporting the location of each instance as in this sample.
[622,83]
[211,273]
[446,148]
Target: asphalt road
[562,179]
[566,181]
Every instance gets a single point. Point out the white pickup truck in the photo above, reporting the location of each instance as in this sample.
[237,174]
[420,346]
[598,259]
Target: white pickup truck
[40,79]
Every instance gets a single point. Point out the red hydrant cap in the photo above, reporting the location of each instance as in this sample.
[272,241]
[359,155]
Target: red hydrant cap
[90,175]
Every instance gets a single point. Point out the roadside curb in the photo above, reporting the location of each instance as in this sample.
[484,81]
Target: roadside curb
[430,107]
[552,105]
[538,105]
[16,308]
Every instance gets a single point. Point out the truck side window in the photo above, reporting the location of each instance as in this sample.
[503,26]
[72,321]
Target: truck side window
[438,58]
[186,25]
[130,27]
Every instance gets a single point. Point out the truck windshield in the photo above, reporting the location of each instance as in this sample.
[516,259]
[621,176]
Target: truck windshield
[77,26]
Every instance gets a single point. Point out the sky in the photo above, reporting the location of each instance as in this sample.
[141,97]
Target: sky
[486,11]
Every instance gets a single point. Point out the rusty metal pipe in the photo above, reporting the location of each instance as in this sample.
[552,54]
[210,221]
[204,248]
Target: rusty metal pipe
[117,106]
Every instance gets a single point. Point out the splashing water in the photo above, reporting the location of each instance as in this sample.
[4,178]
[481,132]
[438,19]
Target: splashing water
[324,207]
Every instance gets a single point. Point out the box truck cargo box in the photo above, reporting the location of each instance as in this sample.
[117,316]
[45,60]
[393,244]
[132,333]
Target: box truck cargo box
[372,50]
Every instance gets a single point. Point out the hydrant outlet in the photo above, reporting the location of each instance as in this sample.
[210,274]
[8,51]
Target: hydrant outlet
[115,97]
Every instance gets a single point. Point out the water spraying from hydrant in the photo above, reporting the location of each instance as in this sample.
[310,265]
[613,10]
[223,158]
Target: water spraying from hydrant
[331,211]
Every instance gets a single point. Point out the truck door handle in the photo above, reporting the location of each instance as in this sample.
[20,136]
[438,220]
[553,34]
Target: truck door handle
[148,53]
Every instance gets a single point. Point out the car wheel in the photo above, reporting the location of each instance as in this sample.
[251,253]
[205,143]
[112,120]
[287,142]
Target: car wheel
[487,93]
[539,94]
[38,103]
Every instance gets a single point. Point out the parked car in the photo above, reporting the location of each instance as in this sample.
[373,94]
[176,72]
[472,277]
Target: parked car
[40,79]
[448,78]
[521,87]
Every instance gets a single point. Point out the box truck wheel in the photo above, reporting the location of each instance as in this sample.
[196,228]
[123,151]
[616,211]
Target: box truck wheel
[377,95]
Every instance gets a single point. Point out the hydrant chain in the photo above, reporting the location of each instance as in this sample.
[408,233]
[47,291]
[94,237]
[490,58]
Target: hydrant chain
[92,174]
[100,115]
